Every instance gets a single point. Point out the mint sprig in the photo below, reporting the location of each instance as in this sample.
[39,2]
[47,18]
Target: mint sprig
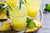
[28,20]
[2,5]
[47,8]
[30,23]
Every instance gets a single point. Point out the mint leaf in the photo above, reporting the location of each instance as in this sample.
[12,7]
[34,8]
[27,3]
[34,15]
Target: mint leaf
[28,20]
[33,24]
[2,5]
[47,8]
[30,23]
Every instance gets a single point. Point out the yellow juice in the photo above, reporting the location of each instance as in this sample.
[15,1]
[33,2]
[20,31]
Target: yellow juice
[18,18]
[33,7]
[13,3]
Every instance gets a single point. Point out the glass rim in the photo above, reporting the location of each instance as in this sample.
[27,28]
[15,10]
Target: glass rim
[20,16]
[32,5]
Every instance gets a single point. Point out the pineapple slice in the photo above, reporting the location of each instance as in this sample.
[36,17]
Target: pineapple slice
[3,15]
[5,26]
[33,29]
[38,23]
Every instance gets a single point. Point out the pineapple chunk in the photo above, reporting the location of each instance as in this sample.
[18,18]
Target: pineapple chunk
[3,15]
[33,29]
[5,26]
[38,23]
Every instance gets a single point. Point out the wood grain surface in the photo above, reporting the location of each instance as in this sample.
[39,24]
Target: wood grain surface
[46,18]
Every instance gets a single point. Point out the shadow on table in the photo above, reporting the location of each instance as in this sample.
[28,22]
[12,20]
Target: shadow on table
[14,32]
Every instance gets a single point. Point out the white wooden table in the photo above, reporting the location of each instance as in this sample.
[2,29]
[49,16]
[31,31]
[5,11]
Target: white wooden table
[46,19]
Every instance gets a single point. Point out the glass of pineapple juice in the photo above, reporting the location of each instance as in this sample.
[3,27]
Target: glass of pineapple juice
[13,3]
[18,18]
[33,7]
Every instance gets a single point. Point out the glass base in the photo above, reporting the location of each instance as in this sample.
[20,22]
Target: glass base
[18,29]
[21,31]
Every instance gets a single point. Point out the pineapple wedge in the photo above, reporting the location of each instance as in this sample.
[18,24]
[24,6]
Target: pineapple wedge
[38,23]
[33,29]
[5,26]
[3,15]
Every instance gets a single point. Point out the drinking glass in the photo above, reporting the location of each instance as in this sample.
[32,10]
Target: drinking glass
[18,18]
[33,7]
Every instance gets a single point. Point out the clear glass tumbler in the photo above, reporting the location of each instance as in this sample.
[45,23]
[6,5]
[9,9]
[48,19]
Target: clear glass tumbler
[33,7]
[18,18]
